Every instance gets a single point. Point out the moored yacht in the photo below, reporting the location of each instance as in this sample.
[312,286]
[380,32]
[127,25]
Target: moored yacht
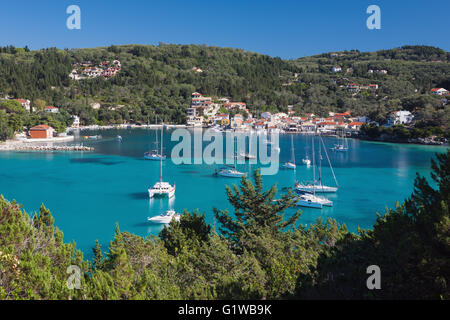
[230,173]
[314,187]
[306,161]
[247,156]
[161,188]
[308,201]
[154,155]
[165,217]
[290,164]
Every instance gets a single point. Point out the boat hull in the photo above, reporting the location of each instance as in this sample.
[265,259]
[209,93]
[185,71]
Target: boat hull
[309,204]
[289,165]
[231,175]
[161,193]
[154,157]
[163,220]
[317,189]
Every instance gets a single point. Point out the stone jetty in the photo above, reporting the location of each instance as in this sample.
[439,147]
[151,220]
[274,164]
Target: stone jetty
[53,148]
[20,146]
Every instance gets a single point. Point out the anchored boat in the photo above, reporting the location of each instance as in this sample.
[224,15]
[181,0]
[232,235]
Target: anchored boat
[165,217]
[161,188]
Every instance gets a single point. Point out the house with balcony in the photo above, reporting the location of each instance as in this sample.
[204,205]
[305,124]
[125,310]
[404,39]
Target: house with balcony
[400,117]
[439,91]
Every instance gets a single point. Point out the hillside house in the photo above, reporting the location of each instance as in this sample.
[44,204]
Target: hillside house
[26,104]
[51,109]
[400,117]
[439,91]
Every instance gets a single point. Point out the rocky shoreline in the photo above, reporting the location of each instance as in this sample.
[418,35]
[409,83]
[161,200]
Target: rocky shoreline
[51,144]
[421,141]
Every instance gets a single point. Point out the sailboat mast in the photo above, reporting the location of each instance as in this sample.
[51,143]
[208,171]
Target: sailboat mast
[292,149]
[320,163]
[160,156]
[329,162]
[156,135]
[314,166]
[234,149]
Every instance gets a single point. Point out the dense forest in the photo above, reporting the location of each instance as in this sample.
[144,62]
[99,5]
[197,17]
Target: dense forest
[160,79]
[256,253]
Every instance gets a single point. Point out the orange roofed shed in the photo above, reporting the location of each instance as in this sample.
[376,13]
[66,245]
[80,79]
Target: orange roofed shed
[42,131]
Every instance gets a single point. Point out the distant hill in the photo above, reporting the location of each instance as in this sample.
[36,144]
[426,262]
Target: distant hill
[160,79]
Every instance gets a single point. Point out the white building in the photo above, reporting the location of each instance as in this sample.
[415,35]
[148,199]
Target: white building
[266,115]
[195,121]
[400,117]
[26,104]
[336,69]
[51,109]
[439,91]
[76,122]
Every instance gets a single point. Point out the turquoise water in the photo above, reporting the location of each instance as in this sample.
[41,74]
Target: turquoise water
[88,193]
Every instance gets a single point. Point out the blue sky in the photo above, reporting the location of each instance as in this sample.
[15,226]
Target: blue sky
[284,28]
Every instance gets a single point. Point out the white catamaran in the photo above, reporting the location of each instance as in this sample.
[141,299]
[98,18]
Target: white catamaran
[318,186]
[309,199]
[161,188]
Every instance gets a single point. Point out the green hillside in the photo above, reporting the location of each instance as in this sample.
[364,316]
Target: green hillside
[159,80]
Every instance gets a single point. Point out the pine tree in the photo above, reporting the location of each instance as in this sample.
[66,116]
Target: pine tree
[256,210]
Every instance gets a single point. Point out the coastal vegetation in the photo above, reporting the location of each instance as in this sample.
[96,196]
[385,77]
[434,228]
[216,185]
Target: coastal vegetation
[260,251]
[159,80]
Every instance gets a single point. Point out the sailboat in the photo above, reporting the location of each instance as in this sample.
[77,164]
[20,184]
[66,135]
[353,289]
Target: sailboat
[154,154]
[343,146]
[306,161]
[231,172]
[161,188]
[309,199]
[318,186]
[290,164]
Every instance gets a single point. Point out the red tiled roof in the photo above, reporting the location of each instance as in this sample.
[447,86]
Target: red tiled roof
[357,123]
[41,127]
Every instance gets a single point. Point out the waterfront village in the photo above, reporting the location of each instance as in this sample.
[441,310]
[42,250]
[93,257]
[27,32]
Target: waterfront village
[222,114]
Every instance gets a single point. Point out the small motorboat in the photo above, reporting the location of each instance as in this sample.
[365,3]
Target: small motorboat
[230,173]
[165,217]
[119,138]
[247,156]
[289,165]
[339,148]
